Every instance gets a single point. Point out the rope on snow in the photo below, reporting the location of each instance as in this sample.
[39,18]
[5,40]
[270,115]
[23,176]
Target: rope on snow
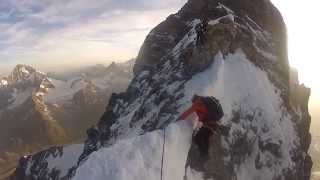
[163,151]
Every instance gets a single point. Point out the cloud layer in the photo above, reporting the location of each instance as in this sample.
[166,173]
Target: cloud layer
[50,33]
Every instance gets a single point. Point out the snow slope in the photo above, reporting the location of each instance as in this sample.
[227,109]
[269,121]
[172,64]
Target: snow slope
[139,158]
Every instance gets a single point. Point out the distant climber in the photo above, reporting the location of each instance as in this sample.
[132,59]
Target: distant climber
[209,112]
[201,30]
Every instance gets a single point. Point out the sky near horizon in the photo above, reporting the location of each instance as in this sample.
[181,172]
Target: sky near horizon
[302,20]
[53,34]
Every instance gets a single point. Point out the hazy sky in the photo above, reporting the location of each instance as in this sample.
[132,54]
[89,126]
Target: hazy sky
[302,19]
[50,33]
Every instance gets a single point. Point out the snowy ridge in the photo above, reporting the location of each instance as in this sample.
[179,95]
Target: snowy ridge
[257,100]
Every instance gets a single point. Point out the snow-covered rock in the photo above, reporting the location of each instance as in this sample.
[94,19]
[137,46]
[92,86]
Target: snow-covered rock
[58,161]
[25,74]
[243,62]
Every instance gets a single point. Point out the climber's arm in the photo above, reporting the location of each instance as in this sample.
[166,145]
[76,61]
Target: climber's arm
[187,112]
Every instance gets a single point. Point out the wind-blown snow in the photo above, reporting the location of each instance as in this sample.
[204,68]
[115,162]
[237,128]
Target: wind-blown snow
[140,158]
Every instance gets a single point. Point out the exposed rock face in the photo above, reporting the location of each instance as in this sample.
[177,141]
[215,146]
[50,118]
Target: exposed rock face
[167,34]
[256,31]
[243,62]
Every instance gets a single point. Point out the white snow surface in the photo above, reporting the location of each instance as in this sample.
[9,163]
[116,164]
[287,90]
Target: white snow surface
[67,160]
[139,158]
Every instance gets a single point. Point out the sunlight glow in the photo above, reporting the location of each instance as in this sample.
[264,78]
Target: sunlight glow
[302,19]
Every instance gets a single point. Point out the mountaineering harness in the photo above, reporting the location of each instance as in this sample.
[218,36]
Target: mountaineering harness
[164,142]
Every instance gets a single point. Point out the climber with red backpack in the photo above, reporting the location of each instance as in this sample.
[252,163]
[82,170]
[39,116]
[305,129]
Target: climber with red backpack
[209,112]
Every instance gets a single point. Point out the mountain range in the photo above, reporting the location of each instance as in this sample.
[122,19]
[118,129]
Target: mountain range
[38,110]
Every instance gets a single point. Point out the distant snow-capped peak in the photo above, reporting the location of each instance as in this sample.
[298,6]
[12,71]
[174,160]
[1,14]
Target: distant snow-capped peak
[23,73]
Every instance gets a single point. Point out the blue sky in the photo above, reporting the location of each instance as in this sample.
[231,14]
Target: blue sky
[51,34]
